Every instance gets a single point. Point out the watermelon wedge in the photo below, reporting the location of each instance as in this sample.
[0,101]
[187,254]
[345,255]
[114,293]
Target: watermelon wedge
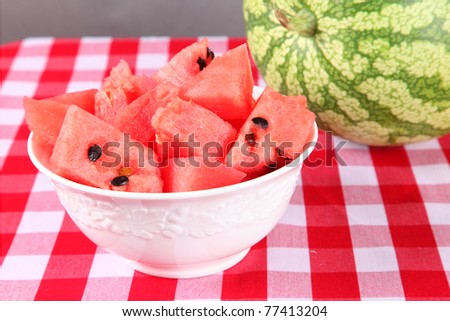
[185,129]
[84,99]
[91,152]
[119,90]
[278,126]
[225,87]
[135,119]
[122,78]
[44,117]
[185,64]
[192,174]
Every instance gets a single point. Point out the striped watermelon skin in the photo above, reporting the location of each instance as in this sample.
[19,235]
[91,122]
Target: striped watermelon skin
[375,72]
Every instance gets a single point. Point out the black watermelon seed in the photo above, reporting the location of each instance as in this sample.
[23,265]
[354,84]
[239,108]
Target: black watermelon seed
[250,139]
[261,122]
[201,63]
[94,152]
[209,54]
[120,181]
[281,154]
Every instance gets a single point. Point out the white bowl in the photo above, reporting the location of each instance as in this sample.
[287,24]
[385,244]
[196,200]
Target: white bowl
[179,235]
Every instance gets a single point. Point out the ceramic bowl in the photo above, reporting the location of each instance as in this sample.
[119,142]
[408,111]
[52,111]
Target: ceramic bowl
[179,235]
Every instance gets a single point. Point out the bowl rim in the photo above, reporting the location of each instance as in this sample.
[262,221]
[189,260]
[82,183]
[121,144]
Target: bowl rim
[172,196]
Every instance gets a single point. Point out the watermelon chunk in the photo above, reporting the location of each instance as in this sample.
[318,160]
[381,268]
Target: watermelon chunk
[225,87]
[135,118]
[121,88]
[122,78]
[104,107]
[44,117]
[91,152]
[84,99]
[42,150]
[278,126]
[128,102]
[186,129]
[185,64]
[192,174]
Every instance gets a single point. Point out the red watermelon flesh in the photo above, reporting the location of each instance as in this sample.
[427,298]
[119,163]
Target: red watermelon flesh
[42,150]
[84,99]
[189,123]
[192,174]
[136,118]
[104,108]
[44,117]
[121,88]
[185,64]
[237,123]
[91,152]
[251,156]
[121,77]
[225,87]
[278,126]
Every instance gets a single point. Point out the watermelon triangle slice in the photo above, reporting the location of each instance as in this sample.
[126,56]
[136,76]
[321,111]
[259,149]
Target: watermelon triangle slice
[135,118]
[121,77]
[119,90]
[185,64]
[278,126]
[185,129]
[44,117]
[84,99]
[193,174]
[225,86]
[92,152]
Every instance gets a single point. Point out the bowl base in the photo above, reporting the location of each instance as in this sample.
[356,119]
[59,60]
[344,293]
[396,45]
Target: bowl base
[188,270]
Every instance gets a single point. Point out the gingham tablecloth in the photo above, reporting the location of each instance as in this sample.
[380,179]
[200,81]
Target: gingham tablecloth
[363,223]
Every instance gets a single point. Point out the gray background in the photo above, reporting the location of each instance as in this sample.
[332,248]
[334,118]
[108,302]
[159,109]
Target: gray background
[120,18]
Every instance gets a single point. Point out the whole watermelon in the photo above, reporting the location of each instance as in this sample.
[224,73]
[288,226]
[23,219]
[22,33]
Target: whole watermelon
[375,72]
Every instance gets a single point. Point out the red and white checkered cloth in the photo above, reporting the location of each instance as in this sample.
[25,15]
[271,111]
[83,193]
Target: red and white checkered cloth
[378,228]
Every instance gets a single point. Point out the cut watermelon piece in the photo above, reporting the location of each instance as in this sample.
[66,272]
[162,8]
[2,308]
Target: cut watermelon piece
[135,118]
[225,87]
[121,88]
[278,126]
[122,78]
[185,129]
[185,64]
[44,117]
[104,108]
[42,150]
[91,152]
[252,155]
[128,102]
[84,99]
[193,174]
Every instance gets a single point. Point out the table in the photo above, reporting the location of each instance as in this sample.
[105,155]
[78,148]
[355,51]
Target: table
[363,224]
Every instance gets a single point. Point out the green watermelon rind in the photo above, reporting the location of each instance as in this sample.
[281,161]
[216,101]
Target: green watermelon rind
[274,48]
